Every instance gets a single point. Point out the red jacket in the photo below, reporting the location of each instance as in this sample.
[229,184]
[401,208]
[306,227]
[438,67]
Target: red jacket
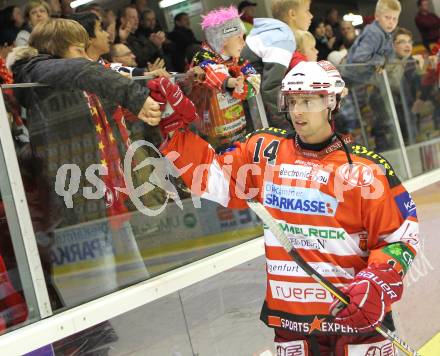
[13,308]
[428,25]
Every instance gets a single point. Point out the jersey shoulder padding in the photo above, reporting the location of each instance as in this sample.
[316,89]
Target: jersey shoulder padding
[271,131]
[364,152]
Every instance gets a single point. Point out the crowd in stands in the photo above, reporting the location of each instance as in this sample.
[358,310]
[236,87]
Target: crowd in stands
[132,42]
[136,26]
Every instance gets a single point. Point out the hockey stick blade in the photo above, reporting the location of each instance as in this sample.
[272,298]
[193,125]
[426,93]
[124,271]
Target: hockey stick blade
[275,228]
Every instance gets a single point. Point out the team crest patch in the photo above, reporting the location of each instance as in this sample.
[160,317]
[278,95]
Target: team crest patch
[383,348]
[292,348]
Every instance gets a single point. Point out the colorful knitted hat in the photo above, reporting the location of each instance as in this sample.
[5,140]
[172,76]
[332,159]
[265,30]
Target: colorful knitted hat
[220,24]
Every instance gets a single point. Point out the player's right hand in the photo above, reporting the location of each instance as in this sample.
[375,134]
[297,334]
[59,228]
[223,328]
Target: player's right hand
[371,293]
[184,111]
[182,106]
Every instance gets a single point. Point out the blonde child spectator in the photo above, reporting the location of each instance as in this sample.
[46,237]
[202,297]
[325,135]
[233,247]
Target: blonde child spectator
[228,79]
[269,48]
[305,48]
[374,48]
[375,44]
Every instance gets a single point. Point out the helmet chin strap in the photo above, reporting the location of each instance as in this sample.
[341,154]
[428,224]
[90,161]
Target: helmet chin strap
[344,146]
[330,119]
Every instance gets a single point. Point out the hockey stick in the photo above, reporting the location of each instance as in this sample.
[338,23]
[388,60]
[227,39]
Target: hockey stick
[275,228]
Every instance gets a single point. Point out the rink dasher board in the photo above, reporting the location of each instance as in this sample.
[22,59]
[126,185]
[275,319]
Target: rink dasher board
[76,247]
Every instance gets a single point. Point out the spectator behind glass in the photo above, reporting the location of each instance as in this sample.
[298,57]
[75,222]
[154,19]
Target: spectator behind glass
[57,57]
[228,79]
[11,22]
[305,48]
[5,49]
[146,50]
[98,43]
[269,48]
[428,24]
[109,24]
[348,35]
[94,8]
[405,73]
[98,46]
[66,9]
[375,44]
[332,19]
[140,5]
[247,11]
[323,44]
[124,61]
[35,12]
[184,40]
[55,8]
[148,24]
[374,47]
[120,53]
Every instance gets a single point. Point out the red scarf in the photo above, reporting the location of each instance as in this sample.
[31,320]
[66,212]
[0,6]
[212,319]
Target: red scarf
[110,157]
[11,103]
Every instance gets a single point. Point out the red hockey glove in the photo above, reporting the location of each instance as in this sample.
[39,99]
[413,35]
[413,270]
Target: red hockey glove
[372,291]
[184,111]
[158,96]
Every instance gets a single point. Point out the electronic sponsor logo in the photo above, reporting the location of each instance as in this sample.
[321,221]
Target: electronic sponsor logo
[290,268]
[293,171]
[382,348]
[317,324]
[300,292]
[299,200]
[406,205]
[356,174]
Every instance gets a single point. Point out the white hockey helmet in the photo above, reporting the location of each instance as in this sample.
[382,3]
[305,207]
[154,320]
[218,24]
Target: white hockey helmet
[310,78]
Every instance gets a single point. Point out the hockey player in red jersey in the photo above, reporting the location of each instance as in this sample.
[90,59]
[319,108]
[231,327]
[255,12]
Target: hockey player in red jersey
[341,205]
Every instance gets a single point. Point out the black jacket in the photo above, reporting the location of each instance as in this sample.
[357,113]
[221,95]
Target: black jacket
[60,125]
[144,50]
[183,38]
